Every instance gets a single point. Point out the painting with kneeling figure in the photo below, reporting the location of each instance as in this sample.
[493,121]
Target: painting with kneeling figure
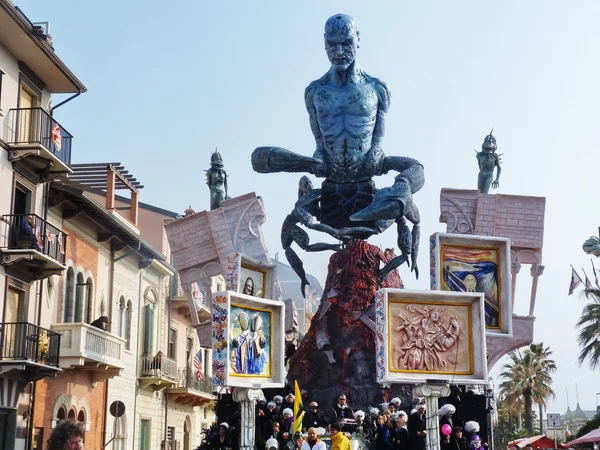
[250,346]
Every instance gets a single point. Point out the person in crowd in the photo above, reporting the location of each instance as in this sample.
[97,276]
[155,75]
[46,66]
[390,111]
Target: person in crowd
[278,399]
[221,441]
[272,444]
[312,441]
[399,435]
[288,402]
[261,424]
[342,409]
[296,441]
[287,420]
[67,435]
[313,417]
[381,439]
[276,432]
[338,440]
[417,428]
[456,441]
[445,414]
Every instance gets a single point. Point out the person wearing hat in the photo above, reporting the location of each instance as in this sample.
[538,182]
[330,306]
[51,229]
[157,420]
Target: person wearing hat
[278,399]
[338,440]
[399,433]
[417,428]
[287,420]
[221,441]
[289,401]
[457,441]
[272,444]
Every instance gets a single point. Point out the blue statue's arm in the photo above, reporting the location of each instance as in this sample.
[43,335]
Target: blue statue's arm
[384,96]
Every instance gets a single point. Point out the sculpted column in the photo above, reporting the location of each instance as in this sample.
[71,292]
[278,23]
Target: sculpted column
[432,392]
[536,271]
[247,399]
[515,268]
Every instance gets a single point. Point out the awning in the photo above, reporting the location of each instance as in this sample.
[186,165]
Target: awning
[592,436]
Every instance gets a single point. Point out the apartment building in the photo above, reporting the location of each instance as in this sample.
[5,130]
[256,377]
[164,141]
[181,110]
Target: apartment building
[34,149]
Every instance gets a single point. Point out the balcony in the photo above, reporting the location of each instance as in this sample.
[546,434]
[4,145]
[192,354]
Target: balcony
[39,141]
[28,350]
[33,246]
[86,347]
[157,371]
[191,391]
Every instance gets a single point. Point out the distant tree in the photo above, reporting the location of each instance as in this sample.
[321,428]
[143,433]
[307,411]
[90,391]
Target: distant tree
[589,426]
[526,379]
[541,395]
[589,330]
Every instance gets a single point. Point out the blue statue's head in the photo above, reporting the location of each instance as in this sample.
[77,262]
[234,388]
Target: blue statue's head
[341,41]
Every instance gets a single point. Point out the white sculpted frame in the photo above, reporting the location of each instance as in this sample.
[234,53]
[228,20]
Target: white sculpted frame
[430,336]
[240,268]
[226,309]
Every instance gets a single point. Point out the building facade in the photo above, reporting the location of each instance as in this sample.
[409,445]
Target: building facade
[34,149]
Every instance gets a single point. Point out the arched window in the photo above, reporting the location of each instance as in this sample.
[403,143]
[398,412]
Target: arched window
[129,315]
[80,298]
[120,317]
[148,314]
[81,421]
[72,414]
[62,413]
[69,300]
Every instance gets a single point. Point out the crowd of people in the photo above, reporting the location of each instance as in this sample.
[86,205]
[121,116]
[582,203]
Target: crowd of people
[385,428]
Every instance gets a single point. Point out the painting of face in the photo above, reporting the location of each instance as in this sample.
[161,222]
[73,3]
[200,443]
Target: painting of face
[252,282]
[430,337]
[471,269]
[250,347]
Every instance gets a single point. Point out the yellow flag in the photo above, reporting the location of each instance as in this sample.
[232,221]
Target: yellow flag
[298,408]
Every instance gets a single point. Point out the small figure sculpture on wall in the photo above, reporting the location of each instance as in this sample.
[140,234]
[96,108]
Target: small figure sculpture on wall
[488,159]
[216,179]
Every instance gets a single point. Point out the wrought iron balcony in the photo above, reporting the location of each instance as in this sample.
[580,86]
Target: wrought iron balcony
[30,241]
[84,346]
[31,350]
[158,371]
[40,140]
[190,390]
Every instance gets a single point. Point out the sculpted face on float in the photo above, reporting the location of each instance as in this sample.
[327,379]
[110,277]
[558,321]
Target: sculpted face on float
[341,41]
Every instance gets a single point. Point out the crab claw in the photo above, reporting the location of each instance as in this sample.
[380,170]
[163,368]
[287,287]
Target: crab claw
[388,204]
[277,159]
[393,264]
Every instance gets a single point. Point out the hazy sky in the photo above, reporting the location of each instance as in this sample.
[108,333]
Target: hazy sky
[168,81]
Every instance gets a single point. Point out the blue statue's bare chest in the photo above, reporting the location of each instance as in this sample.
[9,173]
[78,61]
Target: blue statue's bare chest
[354,100]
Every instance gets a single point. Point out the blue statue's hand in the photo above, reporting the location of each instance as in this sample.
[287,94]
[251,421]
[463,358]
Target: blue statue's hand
[388,203]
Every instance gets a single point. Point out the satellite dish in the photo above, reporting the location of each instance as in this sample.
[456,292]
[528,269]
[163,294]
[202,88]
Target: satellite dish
[117,409]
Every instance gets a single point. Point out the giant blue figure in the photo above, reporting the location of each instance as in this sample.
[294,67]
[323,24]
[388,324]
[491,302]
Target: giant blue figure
[347,110]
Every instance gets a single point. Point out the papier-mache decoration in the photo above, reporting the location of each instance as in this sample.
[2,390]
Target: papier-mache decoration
[250,276]
[430,335]
[247,341]
[467,263]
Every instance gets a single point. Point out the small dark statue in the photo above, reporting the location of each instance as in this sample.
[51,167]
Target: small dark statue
[216,179]
[488,159]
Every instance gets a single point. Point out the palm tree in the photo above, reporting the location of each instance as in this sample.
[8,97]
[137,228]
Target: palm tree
[527,379]
[589,330]
[541,395]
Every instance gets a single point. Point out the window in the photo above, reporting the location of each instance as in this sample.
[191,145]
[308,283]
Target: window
[22,199]
[121,317]
[188,352]
[80,300]
[69,300]
[172,343]
[144,434]
[128,325]
[148,330]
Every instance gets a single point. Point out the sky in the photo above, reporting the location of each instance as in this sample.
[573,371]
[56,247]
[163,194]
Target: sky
[170,81]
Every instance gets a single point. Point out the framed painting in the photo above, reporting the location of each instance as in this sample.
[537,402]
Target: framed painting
[476,264]
[430,336]
[250,277]
[248,341]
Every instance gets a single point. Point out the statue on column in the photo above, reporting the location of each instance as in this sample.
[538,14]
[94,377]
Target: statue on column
[216,179]
[488,159]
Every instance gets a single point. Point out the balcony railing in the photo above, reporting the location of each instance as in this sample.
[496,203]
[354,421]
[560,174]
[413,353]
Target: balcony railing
[158,367]
[31,232]
[23,341]
[36,126]
[82,343]
[187,378]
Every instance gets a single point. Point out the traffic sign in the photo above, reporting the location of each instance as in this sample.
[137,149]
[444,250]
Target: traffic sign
[554,420]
